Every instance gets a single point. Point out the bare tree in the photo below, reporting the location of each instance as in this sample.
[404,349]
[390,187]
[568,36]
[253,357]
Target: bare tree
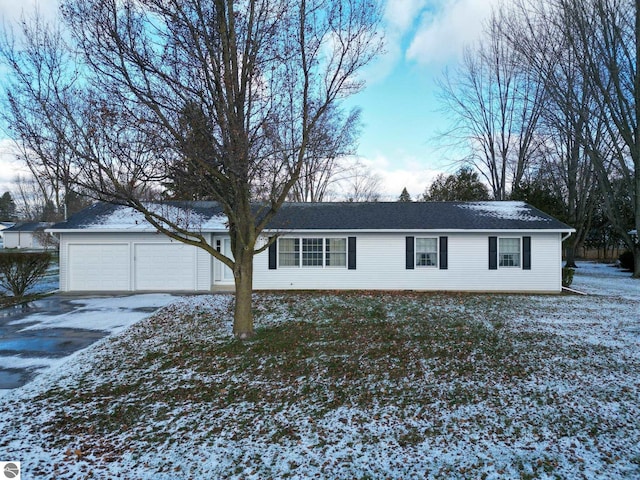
[324,164]
[537,31]
[259,76]
[607,33]
[49,160]
[359,184]
[496,105]
[32,198]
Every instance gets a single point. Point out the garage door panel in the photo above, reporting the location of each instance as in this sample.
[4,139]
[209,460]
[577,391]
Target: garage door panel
[99,267]
[165,267]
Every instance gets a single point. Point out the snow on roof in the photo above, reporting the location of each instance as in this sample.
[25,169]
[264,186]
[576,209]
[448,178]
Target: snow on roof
[126,218]
[504,210]
[342,216]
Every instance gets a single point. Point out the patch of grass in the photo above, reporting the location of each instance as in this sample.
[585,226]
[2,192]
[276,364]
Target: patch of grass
[349,350]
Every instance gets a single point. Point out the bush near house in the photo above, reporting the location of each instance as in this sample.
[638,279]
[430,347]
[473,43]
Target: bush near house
[567,276]
[21,270]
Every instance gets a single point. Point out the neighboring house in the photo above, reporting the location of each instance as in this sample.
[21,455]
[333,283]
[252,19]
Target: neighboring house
[29,235]
[448,246]
[4,226]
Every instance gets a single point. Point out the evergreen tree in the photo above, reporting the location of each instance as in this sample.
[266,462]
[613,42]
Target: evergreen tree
[463,186]
[7,207]
[404,196]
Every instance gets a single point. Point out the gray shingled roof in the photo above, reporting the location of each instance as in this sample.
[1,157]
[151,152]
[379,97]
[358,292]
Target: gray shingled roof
[415,216]
[352,216]
[28,227]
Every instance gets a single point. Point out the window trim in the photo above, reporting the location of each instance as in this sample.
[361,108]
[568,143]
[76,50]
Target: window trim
[324,253]
[499,254]
[436,265]
[312,253]
[297,252]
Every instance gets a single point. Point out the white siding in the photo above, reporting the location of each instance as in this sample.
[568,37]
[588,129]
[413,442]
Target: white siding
[381,266]
[20,240]
[167,272]
[204,263]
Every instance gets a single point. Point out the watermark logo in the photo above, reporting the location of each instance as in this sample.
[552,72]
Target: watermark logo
[10,470]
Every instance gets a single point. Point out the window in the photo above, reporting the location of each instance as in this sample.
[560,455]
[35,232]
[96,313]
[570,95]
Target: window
[509,252]
[289,252]
[311,252]
[426,252]
[336,252]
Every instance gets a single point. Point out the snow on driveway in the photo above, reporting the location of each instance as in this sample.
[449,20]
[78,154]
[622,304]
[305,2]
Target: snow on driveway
[106,315]
[111,314]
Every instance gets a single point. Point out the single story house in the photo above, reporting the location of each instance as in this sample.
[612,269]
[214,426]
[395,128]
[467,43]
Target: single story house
[30,235]
[439,246]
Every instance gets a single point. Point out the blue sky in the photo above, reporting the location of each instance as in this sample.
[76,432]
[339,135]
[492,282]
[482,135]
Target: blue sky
[401,117]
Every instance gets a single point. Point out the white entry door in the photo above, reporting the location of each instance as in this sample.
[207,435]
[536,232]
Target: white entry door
[227,274]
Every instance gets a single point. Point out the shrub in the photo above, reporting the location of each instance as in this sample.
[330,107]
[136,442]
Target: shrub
[567,276]
[19,271]
[626,260]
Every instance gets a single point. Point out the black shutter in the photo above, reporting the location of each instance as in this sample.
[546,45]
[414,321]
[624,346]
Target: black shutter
[493,253]
[444,253]
[351,253]
[410,253]
[272,254]
[526,253]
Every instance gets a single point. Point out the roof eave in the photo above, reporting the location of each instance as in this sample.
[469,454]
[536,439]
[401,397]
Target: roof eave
[121,230]
[424,230]
[328,230]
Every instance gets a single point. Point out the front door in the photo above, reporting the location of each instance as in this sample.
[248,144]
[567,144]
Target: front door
[227,274]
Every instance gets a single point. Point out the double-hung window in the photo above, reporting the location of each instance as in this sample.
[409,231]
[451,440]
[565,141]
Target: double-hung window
[509,252]
[426,252]
[289,252]
[336,252]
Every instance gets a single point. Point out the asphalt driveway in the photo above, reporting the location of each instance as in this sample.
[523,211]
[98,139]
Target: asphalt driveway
[38,336]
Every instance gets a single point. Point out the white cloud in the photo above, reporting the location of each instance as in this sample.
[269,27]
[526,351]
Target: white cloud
[9,166]
[11,10]
[399,20]
[446,28]
[428,32]
[400,15]
[407,173]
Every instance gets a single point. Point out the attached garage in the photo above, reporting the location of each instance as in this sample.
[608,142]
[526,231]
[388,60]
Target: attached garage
[131,262]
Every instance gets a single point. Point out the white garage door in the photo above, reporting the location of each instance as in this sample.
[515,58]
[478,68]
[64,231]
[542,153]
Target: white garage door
[165,267]
[99,267]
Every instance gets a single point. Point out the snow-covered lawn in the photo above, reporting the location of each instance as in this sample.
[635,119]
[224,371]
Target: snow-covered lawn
[349,386]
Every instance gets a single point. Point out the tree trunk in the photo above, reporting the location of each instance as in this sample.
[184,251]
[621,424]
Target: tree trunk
[636,260]
[570,255]
[243,314]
